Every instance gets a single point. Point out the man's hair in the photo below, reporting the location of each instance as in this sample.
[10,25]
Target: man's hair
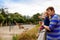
[51,8]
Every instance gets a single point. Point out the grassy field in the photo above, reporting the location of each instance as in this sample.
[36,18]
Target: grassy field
[29,35]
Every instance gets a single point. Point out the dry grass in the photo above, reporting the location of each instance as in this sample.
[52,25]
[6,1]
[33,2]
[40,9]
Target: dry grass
[0,39]
[29,35]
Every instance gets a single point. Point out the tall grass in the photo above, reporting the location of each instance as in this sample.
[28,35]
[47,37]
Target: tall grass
[29,35]
[0,38]
[15,37]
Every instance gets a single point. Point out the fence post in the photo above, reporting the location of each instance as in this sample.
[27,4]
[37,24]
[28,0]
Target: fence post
[42,35]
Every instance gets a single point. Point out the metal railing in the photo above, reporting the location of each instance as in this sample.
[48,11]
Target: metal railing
[42,35]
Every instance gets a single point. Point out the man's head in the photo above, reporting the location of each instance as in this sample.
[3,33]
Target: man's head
[50,10]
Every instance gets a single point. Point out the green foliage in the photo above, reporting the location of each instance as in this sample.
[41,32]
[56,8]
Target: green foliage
[17,17]
[35,17]
[14,37]
[38,25]
[2,18]
[3,12]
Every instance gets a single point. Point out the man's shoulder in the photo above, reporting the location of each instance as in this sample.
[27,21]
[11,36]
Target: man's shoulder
[56,16]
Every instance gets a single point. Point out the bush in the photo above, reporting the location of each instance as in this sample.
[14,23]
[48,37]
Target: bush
[29,35]
[14,37]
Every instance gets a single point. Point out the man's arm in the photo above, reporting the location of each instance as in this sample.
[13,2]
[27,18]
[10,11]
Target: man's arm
[52,24]
[47,27]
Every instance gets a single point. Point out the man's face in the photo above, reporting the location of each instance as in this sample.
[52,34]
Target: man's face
[49,12]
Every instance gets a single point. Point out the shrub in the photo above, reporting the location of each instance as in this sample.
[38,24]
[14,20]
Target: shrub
[15,37]
[29,35]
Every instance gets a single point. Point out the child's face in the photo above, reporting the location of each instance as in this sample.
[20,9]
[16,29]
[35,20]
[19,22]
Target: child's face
[46,14]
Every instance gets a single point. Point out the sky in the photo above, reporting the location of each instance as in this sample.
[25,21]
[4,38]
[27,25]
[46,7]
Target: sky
[29,7]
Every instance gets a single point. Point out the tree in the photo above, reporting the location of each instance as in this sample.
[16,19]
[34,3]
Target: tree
[3,12]
[35,17]
[18,18]
[2,18]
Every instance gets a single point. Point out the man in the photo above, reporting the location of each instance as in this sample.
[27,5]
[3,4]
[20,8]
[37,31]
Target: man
[54,26]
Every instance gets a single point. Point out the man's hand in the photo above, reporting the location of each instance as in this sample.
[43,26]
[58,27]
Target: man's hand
[47,27]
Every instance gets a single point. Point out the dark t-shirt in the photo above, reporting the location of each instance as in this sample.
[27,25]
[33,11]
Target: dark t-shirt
[46,21]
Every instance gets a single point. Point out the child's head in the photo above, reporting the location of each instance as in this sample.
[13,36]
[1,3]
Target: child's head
[46,14]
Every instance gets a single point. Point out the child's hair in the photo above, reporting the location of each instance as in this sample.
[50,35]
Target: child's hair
[46,14]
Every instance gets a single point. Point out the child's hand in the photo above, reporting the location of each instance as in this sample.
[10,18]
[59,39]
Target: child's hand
[41,28]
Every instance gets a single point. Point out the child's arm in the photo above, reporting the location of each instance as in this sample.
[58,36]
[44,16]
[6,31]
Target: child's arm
[41,28]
